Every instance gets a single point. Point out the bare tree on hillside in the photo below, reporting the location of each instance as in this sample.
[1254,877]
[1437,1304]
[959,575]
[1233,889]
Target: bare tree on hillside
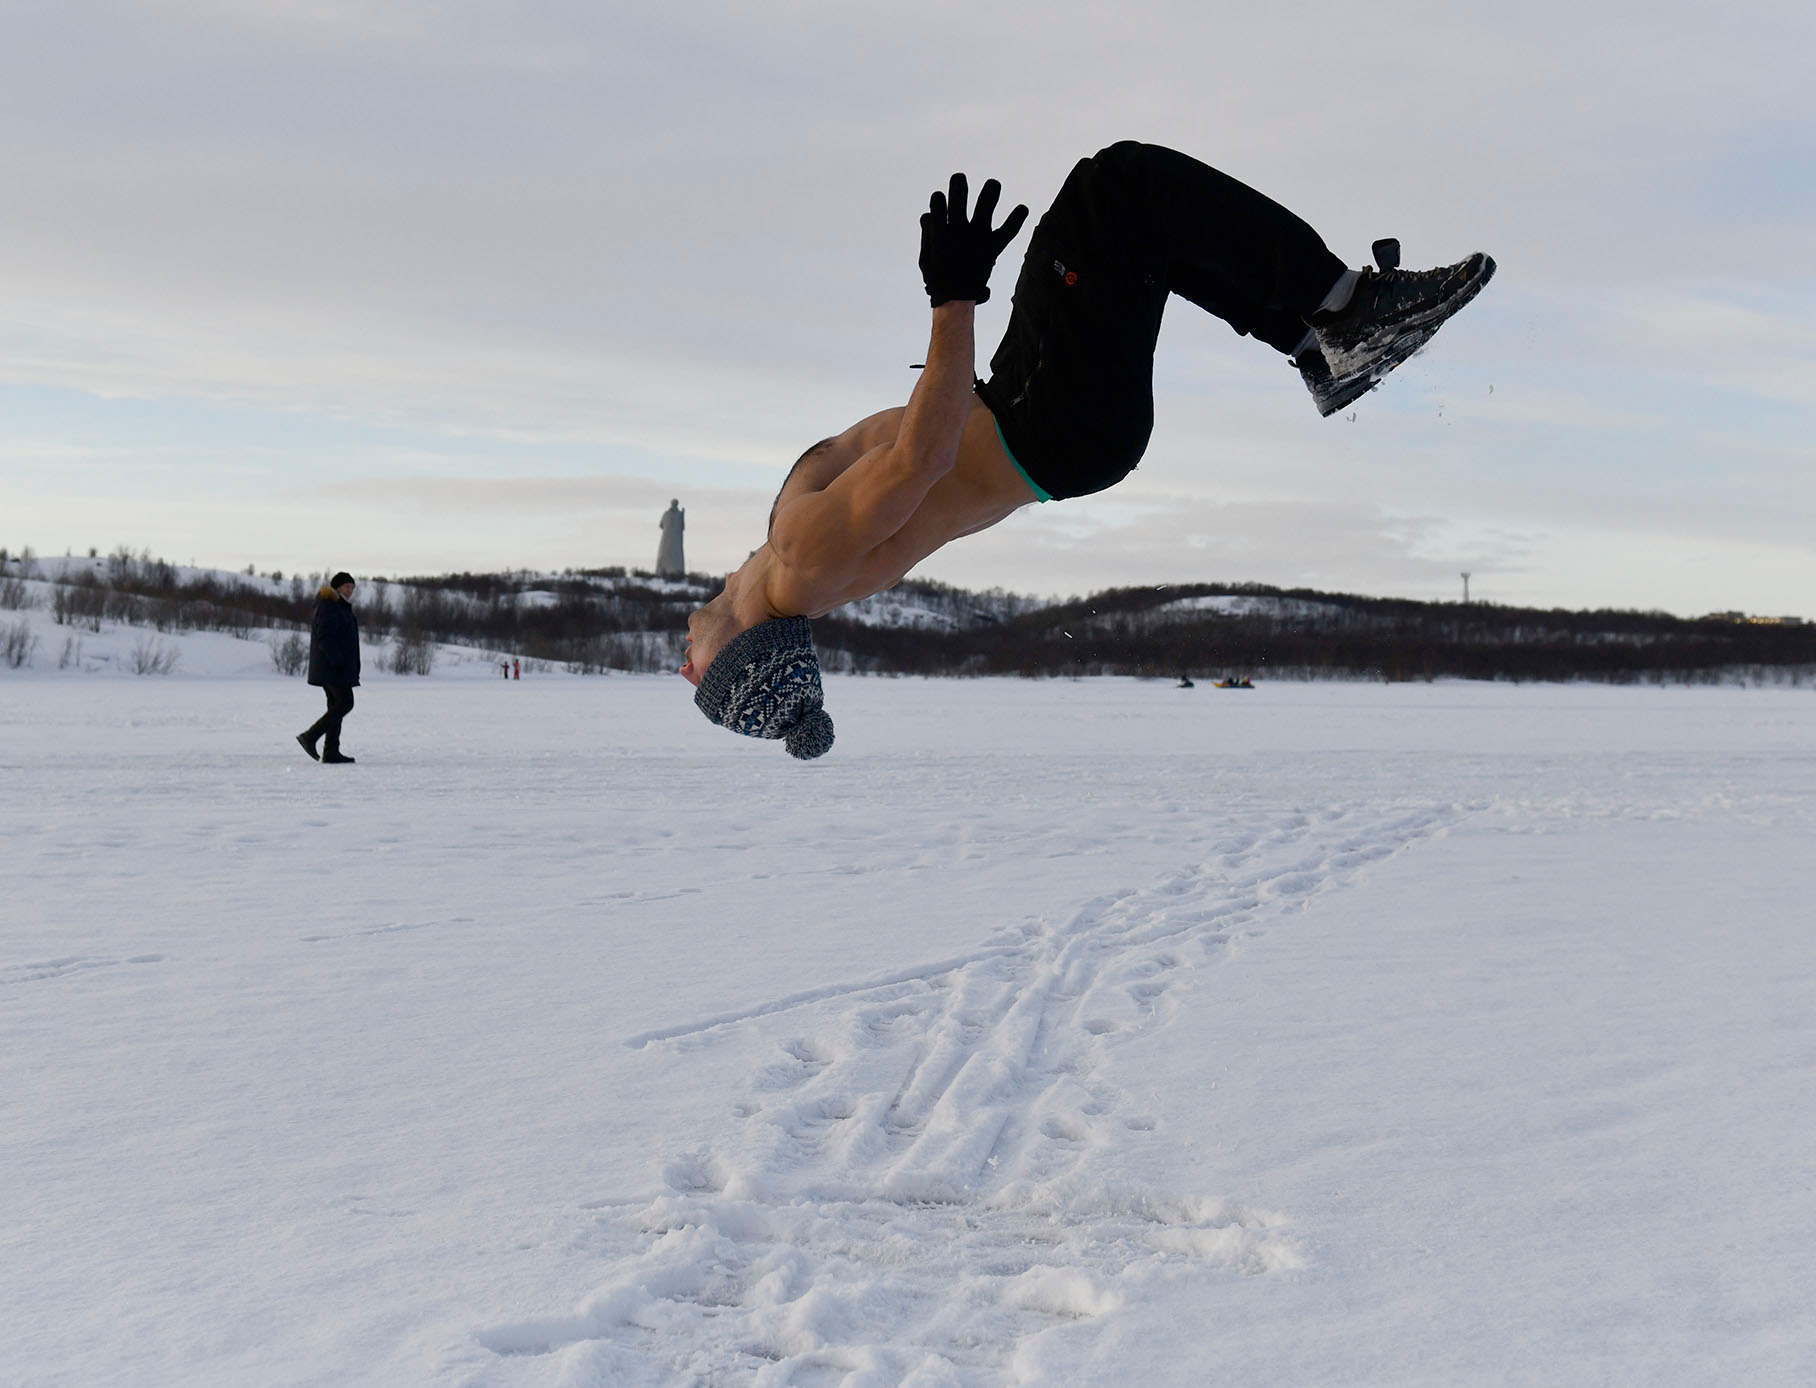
[17,644]
[411,654]
[152,657]
[290,653]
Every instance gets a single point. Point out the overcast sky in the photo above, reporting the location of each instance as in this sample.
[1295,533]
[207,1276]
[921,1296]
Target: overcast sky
[404,287]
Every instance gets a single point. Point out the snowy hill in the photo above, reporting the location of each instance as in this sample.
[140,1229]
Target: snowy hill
[96,616]
[589,622]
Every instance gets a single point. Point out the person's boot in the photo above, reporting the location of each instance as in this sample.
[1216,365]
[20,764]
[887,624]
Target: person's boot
[307,743]
[331,754]
[1390,316]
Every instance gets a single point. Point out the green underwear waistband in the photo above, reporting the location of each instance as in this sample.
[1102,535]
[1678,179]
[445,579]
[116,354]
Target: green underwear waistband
[1040,493]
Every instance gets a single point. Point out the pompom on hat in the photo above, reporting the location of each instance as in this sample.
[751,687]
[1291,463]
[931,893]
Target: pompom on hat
[766,683]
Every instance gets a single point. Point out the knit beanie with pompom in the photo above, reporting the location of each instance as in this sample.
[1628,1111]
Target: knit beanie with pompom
[766,683]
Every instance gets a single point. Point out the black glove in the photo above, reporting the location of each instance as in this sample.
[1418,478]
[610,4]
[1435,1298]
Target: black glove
[957,253]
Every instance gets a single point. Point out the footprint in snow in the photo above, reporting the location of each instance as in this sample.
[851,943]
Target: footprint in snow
[910,1197]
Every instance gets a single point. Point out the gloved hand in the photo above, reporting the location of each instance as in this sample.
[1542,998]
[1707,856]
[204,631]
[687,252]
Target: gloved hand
[957,253]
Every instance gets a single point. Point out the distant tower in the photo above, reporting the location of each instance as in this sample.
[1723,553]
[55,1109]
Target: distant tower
[669,563]
[1465,590]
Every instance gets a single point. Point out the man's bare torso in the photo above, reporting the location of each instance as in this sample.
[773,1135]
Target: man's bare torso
[983,488]
[862,508]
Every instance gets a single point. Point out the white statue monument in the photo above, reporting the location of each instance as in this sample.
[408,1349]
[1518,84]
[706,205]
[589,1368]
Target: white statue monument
[669,563]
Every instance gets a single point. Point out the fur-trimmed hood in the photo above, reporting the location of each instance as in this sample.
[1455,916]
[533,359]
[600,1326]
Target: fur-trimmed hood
[327,594]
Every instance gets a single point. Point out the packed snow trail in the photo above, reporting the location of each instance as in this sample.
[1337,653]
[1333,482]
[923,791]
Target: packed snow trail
[908,1194]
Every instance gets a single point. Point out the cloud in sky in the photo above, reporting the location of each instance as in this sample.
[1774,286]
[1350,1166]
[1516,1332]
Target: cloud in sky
[410,251]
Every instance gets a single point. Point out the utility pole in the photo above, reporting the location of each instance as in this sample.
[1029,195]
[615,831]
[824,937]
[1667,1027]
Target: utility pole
[1466,590]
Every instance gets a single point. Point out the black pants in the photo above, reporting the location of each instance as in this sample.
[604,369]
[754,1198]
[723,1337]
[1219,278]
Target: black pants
[328,726]
[1072,385]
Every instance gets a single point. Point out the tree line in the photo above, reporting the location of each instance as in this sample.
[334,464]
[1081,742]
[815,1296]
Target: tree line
[597,620]
[1301,633]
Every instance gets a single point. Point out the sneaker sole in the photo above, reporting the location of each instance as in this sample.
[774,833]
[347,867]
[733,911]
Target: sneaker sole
[1349,389]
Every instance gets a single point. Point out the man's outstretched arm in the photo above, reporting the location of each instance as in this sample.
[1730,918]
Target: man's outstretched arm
[878,495]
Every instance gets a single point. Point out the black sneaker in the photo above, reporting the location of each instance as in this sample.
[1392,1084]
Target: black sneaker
[307,743]
[1392,314]
[336,759]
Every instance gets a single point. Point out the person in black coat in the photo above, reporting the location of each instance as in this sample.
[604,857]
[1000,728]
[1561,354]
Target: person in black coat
[333,665]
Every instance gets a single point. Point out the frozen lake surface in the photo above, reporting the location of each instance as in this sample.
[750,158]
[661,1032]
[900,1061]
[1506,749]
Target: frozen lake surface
[1044,1033]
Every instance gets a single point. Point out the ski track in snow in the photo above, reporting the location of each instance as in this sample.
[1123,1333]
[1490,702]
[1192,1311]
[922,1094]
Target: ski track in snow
[45,969]
[906,1196]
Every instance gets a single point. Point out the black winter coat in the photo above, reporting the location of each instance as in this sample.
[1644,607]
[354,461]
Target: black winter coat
[333,641]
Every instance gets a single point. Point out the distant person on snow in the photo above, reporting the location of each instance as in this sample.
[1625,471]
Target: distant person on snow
[333,664]
[1069,404]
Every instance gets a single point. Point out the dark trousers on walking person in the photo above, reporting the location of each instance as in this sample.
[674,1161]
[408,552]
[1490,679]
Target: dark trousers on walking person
[328,726]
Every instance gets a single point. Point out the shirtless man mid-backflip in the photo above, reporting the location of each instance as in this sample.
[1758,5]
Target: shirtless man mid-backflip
[1069,404]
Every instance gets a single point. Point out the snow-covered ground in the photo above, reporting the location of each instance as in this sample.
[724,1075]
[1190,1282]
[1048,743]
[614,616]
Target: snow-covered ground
[1044,1033]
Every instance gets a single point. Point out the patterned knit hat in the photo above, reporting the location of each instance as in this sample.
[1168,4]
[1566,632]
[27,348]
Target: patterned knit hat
[766,683]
